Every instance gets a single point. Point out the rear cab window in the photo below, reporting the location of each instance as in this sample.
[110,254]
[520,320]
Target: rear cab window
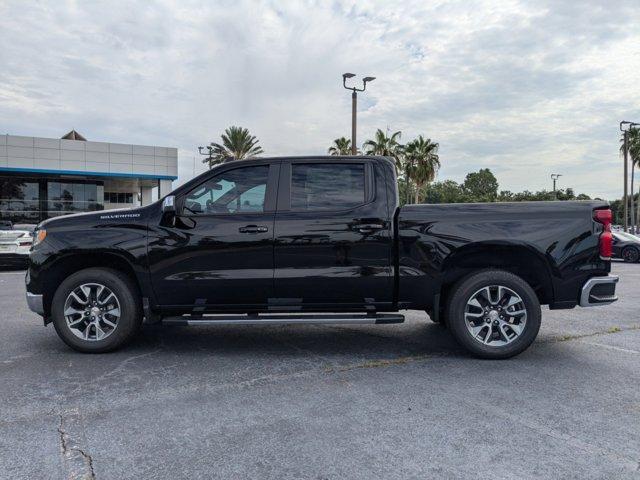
[327,186]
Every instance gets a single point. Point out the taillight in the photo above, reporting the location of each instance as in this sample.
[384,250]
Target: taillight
[606,239]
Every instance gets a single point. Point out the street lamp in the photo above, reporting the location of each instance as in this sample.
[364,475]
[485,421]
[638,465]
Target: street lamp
[354,104]
[208,154]
[555,177]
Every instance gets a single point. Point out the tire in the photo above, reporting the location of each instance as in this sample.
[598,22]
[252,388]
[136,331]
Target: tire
[508,335]
[630,254]
[121,309]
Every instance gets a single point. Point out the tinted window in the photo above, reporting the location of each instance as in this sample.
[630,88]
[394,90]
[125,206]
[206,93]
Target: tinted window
[235,191]
[327,186]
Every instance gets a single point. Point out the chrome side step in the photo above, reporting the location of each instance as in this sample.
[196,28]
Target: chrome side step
[295,319]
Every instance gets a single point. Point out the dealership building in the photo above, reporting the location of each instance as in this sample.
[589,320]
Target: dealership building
[42,178]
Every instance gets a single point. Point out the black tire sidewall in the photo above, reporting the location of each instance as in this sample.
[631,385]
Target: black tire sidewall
[130,312]
[634,250]
[468,286]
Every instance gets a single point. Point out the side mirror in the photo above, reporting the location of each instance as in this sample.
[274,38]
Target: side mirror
[169,204]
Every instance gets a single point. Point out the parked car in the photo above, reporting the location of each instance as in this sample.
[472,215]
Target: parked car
[318,240]
[626,246]
[15,243]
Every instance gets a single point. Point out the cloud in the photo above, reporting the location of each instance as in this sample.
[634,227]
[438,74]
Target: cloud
[526,88]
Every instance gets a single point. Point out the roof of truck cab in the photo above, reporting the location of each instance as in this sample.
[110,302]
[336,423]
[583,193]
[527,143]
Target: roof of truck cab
[264,160]
[314,157]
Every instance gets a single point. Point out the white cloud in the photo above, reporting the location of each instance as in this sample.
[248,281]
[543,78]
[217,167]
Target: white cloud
[526,88]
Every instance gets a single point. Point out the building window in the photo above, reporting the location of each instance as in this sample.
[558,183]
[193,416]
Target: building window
[31,199]
[19,199]
[118,197]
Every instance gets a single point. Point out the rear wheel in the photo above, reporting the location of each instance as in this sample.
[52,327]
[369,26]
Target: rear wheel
[630,254]
[494,314]
[96,310]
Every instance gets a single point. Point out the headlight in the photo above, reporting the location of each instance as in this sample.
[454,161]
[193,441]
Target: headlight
[39,236]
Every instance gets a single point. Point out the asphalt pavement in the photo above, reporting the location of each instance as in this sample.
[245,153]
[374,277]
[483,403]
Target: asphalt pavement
[323,402]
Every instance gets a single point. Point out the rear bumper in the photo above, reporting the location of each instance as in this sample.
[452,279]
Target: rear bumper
[599,291]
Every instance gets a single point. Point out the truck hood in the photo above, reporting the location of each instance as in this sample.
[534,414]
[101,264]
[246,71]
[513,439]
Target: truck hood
[103,217]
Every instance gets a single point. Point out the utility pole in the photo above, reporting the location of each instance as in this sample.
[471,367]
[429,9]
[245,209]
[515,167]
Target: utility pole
[354,121]
[625,147]
[354,106]
[554,177]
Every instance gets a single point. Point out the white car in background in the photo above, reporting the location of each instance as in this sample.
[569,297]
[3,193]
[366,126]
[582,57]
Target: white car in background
[15,243]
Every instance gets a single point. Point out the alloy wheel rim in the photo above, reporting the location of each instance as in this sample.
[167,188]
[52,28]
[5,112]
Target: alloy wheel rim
[92,312]
[495,316]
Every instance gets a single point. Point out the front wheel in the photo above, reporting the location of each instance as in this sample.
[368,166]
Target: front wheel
[494,314]
[630,254]
[96,310]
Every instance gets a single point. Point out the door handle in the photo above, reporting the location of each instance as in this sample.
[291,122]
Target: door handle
[369,227]
[253,229]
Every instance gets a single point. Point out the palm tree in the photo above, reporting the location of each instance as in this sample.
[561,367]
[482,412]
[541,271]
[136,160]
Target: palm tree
[422,162]
[633,139]
[387,146]
[341,146]
[237,144]
[634,155]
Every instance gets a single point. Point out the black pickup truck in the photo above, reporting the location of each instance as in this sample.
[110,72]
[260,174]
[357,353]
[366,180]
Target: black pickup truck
[318,240]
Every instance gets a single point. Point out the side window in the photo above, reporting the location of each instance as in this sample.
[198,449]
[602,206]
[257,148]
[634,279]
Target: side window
[240,190]
[327,186]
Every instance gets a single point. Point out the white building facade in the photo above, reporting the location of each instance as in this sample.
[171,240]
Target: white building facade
[42,178]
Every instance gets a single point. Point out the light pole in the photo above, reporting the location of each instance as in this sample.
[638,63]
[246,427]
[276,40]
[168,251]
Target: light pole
[354,105]
[209,153]
[555,177]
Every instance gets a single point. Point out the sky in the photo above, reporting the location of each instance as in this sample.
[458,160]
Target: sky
[525,88]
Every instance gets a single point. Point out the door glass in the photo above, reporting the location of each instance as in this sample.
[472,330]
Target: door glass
[327,186]
[241,190]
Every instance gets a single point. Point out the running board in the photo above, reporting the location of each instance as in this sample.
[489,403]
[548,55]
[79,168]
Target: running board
[190,320]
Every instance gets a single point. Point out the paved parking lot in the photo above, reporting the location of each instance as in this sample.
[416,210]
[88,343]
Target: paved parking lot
[323,402]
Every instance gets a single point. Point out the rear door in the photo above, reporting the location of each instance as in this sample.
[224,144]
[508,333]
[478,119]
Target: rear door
[333,236]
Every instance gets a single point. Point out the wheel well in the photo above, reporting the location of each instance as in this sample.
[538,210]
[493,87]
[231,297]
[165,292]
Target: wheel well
[67,266]
[518,260]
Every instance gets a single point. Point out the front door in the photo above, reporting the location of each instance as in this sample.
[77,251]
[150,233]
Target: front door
[333,240]
[217,254]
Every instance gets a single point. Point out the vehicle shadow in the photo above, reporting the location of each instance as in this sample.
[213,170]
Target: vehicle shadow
[416,338]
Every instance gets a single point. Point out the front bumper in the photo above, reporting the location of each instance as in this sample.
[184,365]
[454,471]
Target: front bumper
[17,259]
[35,303]
[599,291]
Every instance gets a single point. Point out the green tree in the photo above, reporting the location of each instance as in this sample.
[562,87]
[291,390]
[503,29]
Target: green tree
[634,155]
[237,144]
[447,191]
[341,146]
[386,146]
[421,163]
[482,185]
[633,138]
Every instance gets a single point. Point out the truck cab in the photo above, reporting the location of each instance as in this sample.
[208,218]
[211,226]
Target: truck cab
[286,235]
